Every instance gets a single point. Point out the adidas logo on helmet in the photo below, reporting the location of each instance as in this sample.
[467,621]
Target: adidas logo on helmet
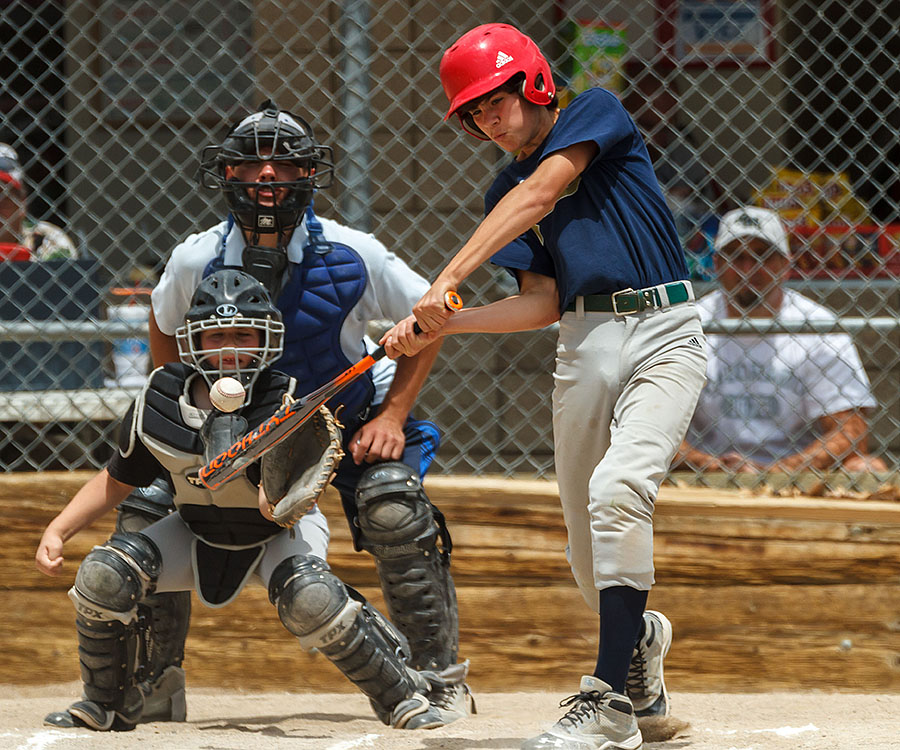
[503,59]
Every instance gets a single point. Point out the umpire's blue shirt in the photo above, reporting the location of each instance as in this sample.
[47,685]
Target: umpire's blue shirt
[612,229]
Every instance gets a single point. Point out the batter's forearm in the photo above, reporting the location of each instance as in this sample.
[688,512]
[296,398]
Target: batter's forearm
[536,306]
[517,212]
[517,313]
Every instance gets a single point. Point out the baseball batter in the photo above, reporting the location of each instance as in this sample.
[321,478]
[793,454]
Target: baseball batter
[579,219]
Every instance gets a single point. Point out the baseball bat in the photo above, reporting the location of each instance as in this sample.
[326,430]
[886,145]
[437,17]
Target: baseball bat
[289,417]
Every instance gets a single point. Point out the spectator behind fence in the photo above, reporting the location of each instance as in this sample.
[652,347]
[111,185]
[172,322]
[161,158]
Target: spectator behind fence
[21,237]
[774,402]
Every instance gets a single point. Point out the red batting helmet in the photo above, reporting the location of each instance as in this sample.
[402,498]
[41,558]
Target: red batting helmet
[485,58]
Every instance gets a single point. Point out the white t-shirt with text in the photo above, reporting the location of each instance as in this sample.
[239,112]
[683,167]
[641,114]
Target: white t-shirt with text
[766,392]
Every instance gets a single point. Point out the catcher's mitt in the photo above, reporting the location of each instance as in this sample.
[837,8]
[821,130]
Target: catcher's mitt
[296,472]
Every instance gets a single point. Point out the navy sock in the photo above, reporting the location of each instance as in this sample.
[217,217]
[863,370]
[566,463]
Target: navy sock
[621,620]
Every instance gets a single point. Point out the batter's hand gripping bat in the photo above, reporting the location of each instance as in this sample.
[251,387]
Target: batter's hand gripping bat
[289,417]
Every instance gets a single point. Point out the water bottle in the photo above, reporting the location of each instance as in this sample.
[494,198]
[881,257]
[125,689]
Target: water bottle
[130,356]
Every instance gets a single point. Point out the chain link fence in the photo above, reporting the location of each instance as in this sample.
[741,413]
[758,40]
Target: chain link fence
[790,105]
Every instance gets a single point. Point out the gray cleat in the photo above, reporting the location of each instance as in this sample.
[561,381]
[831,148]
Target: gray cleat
[598,719]
[645,684]
[415,713]
[93,715]
[62,719]
[164,699]
[449,694]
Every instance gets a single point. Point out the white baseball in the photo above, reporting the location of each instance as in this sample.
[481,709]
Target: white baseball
[227,394]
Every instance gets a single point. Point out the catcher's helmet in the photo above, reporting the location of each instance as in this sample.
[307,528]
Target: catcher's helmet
[485,58]
[230,299]
[269,135]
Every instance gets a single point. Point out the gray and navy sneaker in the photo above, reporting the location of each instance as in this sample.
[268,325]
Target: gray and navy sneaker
[598,719]
[645,684]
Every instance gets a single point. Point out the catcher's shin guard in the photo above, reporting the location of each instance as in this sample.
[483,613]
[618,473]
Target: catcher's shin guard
[108,655]
[401,528]
[109,587]
[114,578]
[314,605]
[165,617]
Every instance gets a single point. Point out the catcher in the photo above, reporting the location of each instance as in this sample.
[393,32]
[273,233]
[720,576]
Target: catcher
[263,525]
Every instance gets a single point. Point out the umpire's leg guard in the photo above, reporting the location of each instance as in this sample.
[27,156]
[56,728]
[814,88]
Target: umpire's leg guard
[166,616]
[109,587]
[401,528]
[314,605]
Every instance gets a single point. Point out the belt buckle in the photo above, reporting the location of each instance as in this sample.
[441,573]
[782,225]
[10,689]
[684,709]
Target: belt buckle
[649,298]
[615,302]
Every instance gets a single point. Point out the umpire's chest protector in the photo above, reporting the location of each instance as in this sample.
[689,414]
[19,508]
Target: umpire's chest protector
[169,426]
[321,292]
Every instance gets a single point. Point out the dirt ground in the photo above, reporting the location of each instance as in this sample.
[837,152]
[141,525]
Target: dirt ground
[220,720]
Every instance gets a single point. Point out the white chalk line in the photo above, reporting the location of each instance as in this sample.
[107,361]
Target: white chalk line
[44,738]
[780,731]
[367,740]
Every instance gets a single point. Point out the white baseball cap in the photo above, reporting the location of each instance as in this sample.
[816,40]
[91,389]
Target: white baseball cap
[752,221]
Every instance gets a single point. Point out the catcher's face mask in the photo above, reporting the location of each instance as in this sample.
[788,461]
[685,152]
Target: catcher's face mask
[240,348]
[231,328]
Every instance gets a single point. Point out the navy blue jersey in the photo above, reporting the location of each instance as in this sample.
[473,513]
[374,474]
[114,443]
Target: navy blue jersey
[612,229]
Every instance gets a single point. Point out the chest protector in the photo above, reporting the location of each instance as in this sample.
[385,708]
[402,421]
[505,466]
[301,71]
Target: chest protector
[169,427]
[319,294]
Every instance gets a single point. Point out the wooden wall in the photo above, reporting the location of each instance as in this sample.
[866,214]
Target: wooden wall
[764,593]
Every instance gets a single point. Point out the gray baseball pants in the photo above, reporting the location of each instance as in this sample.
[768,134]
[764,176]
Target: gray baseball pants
[625,391]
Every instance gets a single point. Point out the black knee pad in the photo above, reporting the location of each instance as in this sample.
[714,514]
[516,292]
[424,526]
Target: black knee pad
[392,506]
[309,597]
[115,577]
